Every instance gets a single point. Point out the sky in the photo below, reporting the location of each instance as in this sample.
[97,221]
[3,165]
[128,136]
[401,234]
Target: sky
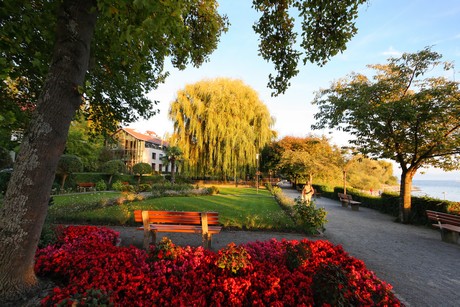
[386,28]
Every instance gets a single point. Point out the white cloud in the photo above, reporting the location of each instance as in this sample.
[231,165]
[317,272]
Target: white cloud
[391,52]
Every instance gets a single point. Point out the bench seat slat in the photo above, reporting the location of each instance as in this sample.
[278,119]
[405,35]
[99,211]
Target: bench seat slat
[448,227]
[181,228]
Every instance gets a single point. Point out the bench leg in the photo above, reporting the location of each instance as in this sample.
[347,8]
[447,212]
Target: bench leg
[449,236]
[146,243]
[150,237]
[206,240]
[345,204]
[355,207]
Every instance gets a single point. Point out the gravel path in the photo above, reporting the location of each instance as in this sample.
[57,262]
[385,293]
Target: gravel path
[423,270]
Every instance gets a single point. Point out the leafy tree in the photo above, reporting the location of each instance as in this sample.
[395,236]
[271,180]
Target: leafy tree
[221,125]
[366,174]
[326,28]
[140,169]
[65,60]
[5,159]
[303,158]
[83,143]
[172,155]
[113,167]
[109,75]
[67,165]
[404,114]
[15,113]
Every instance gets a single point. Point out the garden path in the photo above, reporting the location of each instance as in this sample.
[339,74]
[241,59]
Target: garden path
[423,270]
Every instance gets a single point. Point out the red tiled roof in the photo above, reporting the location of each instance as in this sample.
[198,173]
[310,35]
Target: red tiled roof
[145,137]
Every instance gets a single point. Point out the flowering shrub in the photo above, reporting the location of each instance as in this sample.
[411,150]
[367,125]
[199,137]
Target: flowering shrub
[89,269]
[165,249]
[233,258]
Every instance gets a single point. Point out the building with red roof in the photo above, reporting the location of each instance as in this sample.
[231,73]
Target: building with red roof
[139,147]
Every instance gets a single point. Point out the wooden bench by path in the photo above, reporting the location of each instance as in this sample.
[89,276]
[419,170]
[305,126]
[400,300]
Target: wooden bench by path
[204,223]
[83,186]
[347,199]
[449,224]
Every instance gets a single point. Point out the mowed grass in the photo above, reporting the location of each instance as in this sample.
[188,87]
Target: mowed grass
[239,208]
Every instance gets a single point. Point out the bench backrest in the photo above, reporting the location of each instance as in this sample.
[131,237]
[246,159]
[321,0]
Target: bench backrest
[86,184]
[345,196]
[444,218]
[177,217]
[341,195]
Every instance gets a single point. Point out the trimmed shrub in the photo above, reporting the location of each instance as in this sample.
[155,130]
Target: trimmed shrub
[101,185]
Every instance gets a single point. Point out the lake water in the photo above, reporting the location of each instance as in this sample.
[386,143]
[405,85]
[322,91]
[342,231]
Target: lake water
[441,189]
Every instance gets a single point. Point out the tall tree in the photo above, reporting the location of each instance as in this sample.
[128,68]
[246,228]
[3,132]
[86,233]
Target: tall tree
[404,113]
[304,158]
[110,76]
[173,154]
[84,143]
[221,125]
[121,65]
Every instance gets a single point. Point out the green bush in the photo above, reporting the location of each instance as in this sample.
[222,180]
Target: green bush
[213,190]
[144,187]
[161,188]
[310,218]
[117,185]
[101,185]
[48,235]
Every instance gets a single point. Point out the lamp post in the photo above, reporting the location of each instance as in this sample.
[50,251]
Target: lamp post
[257,173]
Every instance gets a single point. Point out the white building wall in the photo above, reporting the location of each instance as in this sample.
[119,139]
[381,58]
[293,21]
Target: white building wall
[153,157]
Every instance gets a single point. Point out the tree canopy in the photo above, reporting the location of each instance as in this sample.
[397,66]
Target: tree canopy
[105,56]
[83,143]
[220,125]
[404,113]
[326,28]
[308,158]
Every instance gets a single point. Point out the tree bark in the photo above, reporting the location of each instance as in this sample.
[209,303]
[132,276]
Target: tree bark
[405,195]
[27,196]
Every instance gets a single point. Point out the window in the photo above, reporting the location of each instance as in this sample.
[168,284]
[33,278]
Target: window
[160,167]
[154,155]
[153,166]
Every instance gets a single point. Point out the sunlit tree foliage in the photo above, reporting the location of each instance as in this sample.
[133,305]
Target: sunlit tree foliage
[220,125]
[405,113]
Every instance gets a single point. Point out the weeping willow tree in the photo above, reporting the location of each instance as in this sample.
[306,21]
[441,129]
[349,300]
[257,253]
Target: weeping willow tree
[221,125]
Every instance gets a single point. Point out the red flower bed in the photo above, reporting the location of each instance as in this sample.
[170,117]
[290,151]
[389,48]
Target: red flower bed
[90,269]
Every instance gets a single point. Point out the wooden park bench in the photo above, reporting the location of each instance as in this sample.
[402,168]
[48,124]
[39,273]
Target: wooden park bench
[448,223]
[84,186]
[205,223]
[347,199]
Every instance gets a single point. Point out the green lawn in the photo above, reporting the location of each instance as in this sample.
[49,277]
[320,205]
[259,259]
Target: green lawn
[241,208]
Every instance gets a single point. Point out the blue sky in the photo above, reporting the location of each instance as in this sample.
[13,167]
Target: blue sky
[386,28]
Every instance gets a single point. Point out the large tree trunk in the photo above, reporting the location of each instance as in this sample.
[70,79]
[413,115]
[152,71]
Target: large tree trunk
[173,171]
[405,195]
[27,196]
